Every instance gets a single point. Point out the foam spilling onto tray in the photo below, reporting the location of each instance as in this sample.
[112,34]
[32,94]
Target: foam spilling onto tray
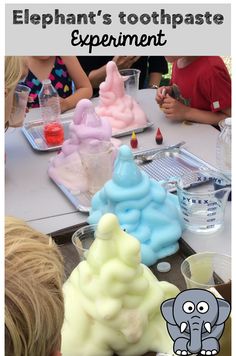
[120,109]
[143,207]
[112,302]
[87,128]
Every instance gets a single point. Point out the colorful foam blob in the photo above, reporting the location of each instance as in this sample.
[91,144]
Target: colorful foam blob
[143,206]
[87,128]
[120,109]
[112,302]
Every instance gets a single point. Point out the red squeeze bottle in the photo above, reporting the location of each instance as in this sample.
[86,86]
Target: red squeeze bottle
[159,137]
[133,141]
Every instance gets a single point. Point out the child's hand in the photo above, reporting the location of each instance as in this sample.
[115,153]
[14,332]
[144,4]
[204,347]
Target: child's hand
[173,109]
[161,94]
[125,62]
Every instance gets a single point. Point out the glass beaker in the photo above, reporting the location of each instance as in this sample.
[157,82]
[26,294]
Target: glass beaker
[202,196]
[131,81]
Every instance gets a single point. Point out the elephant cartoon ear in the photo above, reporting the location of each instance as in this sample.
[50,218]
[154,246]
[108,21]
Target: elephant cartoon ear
[167,311]
[224,311]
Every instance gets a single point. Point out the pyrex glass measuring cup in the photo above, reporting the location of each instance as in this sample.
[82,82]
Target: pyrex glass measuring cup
[202,196]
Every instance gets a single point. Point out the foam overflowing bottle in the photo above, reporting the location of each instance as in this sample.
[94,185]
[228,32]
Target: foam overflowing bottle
[51,110]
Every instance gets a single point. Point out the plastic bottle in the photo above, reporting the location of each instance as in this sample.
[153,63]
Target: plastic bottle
[50,109]
[223,147]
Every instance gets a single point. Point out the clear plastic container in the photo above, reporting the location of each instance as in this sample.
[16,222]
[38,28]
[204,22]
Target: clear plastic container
[131,81]
[50,109]
[223,147]
[21,95]
[82,239]
[97,160]
[206,269]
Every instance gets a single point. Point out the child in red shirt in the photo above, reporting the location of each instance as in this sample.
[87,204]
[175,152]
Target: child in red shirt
[204,86]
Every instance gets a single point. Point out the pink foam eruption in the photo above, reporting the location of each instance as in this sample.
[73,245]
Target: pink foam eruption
[120,109]
[86,128]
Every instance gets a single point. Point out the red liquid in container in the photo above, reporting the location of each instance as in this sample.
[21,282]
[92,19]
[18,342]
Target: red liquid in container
[133,141]
[159,137]
[54,133]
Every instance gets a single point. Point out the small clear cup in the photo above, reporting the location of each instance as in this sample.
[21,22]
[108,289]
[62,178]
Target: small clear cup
[21,95]
[131,81]
[82,239]
[206,270]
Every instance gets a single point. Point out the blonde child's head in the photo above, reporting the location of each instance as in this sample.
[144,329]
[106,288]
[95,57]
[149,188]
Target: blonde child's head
[15,69]
[13,72]
[34,309]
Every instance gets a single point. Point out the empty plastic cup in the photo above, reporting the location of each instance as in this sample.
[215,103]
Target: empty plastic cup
[131,81]
[82,239]
[21,95]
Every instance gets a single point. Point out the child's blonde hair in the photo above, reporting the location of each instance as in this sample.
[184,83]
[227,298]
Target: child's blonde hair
[13,72]
[34,308]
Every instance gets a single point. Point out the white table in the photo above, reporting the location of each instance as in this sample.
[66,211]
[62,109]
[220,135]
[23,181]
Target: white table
[32,196]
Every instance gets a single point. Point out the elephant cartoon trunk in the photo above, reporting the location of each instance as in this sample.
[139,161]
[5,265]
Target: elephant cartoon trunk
[195,342]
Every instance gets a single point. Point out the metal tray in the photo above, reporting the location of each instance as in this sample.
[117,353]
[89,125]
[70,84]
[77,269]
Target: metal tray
[81,202]
[169,166]
[33,131]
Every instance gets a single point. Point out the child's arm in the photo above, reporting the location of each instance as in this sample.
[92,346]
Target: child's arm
[157,67]
[81,81]
[154,78]
[175,110]
[96,76]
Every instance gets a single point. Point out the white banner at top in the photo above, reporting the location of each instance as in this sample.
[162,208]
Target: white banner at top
[118,29]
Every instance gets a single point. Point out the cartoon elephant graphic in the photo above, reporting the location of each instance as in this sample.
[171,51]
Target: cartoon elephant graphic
[195,321]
